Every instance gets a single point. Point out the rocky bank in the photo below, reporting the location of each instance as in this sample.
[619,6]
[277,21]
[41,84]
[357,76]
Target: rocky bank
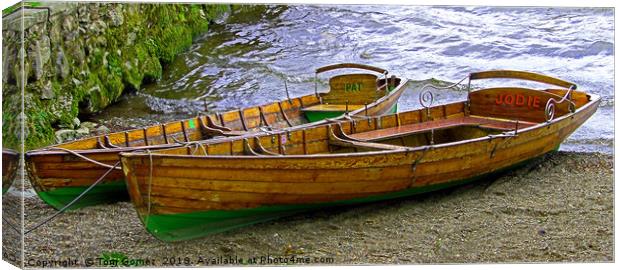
[80,57]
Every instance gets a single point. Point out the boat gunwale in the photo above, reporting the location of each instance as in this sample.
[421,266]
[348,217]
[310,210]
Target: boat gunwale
[399,89]
[594,99]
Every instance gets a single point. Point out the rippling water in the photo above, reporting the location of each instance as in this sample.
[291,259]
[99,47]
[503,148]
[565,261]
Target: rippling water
[245,59]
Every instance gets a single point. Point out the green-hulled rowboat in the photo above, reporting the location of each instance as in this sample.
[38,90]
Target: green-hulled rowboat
[195,190]
[61,172]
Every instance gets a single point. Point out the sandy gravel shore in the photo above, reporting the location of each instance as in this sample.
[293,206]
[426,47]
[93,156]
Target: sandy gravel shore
[557,210]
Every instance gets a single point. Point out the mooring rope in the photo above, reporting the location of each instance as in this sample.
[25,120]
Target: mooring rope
[11,225]
[85,158]
[46,220]
[191,143]
[148,207]
[445,87]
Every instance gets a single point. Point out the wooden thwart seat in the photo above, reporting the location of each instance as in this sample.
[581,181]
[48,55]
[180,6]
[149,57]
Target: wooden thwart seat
[345,141]
[399,131]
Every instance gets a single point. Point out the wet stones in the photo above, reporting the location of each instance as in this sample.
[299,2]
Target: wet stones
[65,135]
[79,130]
[102,130]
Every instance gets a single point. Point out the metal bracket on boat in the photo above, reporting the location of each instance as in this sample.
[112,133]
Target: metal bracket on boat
[451,86]
[346,107]
[426,100]
[550,109]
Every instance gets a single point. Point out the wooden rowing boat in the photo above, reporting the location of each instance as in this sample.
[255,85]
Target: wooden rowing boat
[10,162]
[61,172]
[202,188]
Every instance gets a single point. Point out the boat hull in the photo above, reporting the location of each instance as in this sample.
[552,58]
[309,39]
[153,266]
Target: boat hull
[58,176]
[110,192]
[10,161]
[186,226]
[180,197]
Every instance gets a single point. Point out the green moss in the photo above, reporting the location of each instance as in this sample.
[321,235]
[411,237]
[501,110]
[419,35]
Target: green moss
[159,32]
[10,126]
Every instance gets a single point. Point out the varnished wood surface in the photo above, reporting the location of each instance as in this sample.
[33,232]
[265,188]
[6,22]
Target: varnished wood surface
[350,65]
[400,131]
[312,167]
[49,169]
[10,163]
[355,89]
[523,75]
[514,103]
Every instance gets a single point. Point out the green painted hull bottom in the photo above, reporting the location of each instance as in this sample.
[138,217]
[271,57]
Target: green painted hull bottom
[315,116]
[177,227]
[103,193]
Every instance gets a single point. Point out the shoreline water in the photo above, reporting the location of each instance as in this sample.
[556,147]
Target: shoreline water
[557,210]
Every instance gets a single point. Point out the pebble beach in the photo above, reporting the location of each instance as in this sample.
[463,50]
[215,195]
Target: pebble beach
[558,209]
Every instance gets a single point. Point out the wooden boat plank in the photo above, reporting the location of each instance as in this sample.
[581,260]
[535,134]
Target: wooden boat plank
[172,185]
[480,161]
[514,103]
[517,74]
[275,175]
[199,200]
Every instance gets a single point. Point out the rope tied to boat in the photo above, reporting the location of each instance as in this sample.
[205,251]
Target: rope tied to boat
[414,166]
[197,145]
[75,200]
[444,87]
[115,167]
[148,206]
[11,225]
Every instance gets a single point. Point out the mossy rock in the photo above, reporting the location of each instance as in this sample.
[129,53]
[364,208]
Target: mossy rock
[92,70]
